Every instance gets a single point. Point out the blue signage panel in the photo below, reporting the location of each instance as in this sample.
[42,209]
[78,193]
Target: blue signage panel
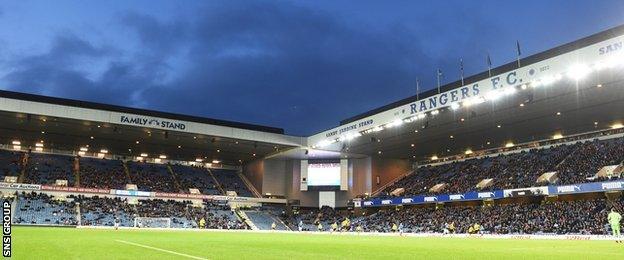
[420,199]
[587,187]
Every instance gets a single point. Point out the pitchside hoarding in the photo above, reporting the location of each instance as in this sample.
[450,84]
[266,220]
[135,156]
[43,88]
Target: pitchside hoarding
[421,199]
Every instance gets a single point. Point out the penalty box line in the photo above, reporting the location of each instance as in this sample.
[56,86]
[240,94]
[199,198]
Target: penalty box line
[160,249]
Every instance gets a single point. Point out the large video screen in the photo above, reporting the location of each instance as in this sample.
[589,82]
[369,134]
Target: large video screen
[324,174]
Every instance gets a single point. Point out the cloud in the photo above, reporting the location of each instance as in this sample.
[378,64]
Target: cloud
[268,63]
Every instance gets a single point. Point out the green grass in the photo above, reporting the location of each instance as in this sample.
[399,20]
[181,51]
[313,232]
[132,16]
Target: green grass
[70,243]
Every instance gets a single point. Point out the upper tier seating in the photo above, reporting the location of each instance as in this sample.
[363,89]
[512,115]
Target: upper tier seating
[10,163]
[195,177]
[589,158]
[47,168]
[230,181]
[102,173]
[574,163]
[152,177]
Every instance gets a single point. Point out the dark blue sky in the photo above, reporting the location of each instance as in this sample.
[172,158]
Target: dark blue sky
[300,65]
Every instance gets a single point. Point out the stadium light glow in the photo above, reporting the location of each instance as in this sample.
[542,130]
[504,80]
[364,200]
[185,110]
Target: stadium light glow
[84,149]
[157,160]
[578,71]
[325,143]
[162,156]
[139,158]
[435,112]
[216,161]
[396,122]
[39,145]
[349,136]
[17,147]
[473,101]
[16,142]
[557,136]
[101,155]
[378,128]
[435,157]
[493,95]
[509,144]
[468,152]
[143,155]
[509,91]
[612,62]
[455,106]
[617,126]
[546,81]
[81,153]
[104,151]
[421,116]
[199,160]
[354,135]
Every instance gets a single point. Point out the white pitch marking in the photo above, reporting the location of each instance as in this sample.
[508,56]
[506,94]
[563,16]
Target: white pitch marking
[160,249]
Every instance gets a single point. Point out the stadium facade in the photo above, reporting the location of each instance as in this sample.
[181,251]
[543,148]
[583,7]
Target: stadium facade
[571,93]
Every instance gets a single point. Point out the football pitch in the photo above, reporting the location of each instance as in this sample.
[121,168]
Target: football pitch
[72,243]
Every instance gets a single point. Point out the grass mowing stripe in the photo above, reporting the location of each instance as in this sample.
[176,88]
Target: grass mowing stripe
[160,249]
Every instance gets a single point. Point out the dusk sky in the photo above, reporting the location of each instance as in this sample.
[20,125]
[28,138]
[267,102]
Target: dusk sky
[299,65]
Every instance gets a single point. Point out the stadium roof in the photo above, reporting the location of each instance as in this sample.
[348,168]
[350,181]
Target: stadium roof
[68,125]
[568,47]
[101,106]
[551,102]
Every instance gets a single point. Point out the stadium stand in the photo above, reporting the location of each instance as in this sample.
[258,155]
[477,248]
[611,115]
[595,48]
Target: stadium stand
[588,158]
[195,177]
[42,209]
[230,181]
[312,217]
[10,163]
[264,217]
[176,210]
[47,168]
[561,217]
[220,216]
[103,211]
[574,163]
[151,177]
[102,173]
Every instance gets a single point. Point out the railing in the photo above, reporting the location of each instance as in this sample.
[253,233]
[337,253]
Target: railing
[249,185]
[392,182]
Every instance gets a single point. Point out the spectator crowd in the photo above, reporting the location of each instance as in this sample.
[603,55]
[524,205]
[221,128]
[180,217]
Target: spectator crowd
[573,163]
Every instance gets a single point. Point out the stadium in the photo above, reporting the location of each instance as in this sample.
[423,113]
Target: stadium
[523,160]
